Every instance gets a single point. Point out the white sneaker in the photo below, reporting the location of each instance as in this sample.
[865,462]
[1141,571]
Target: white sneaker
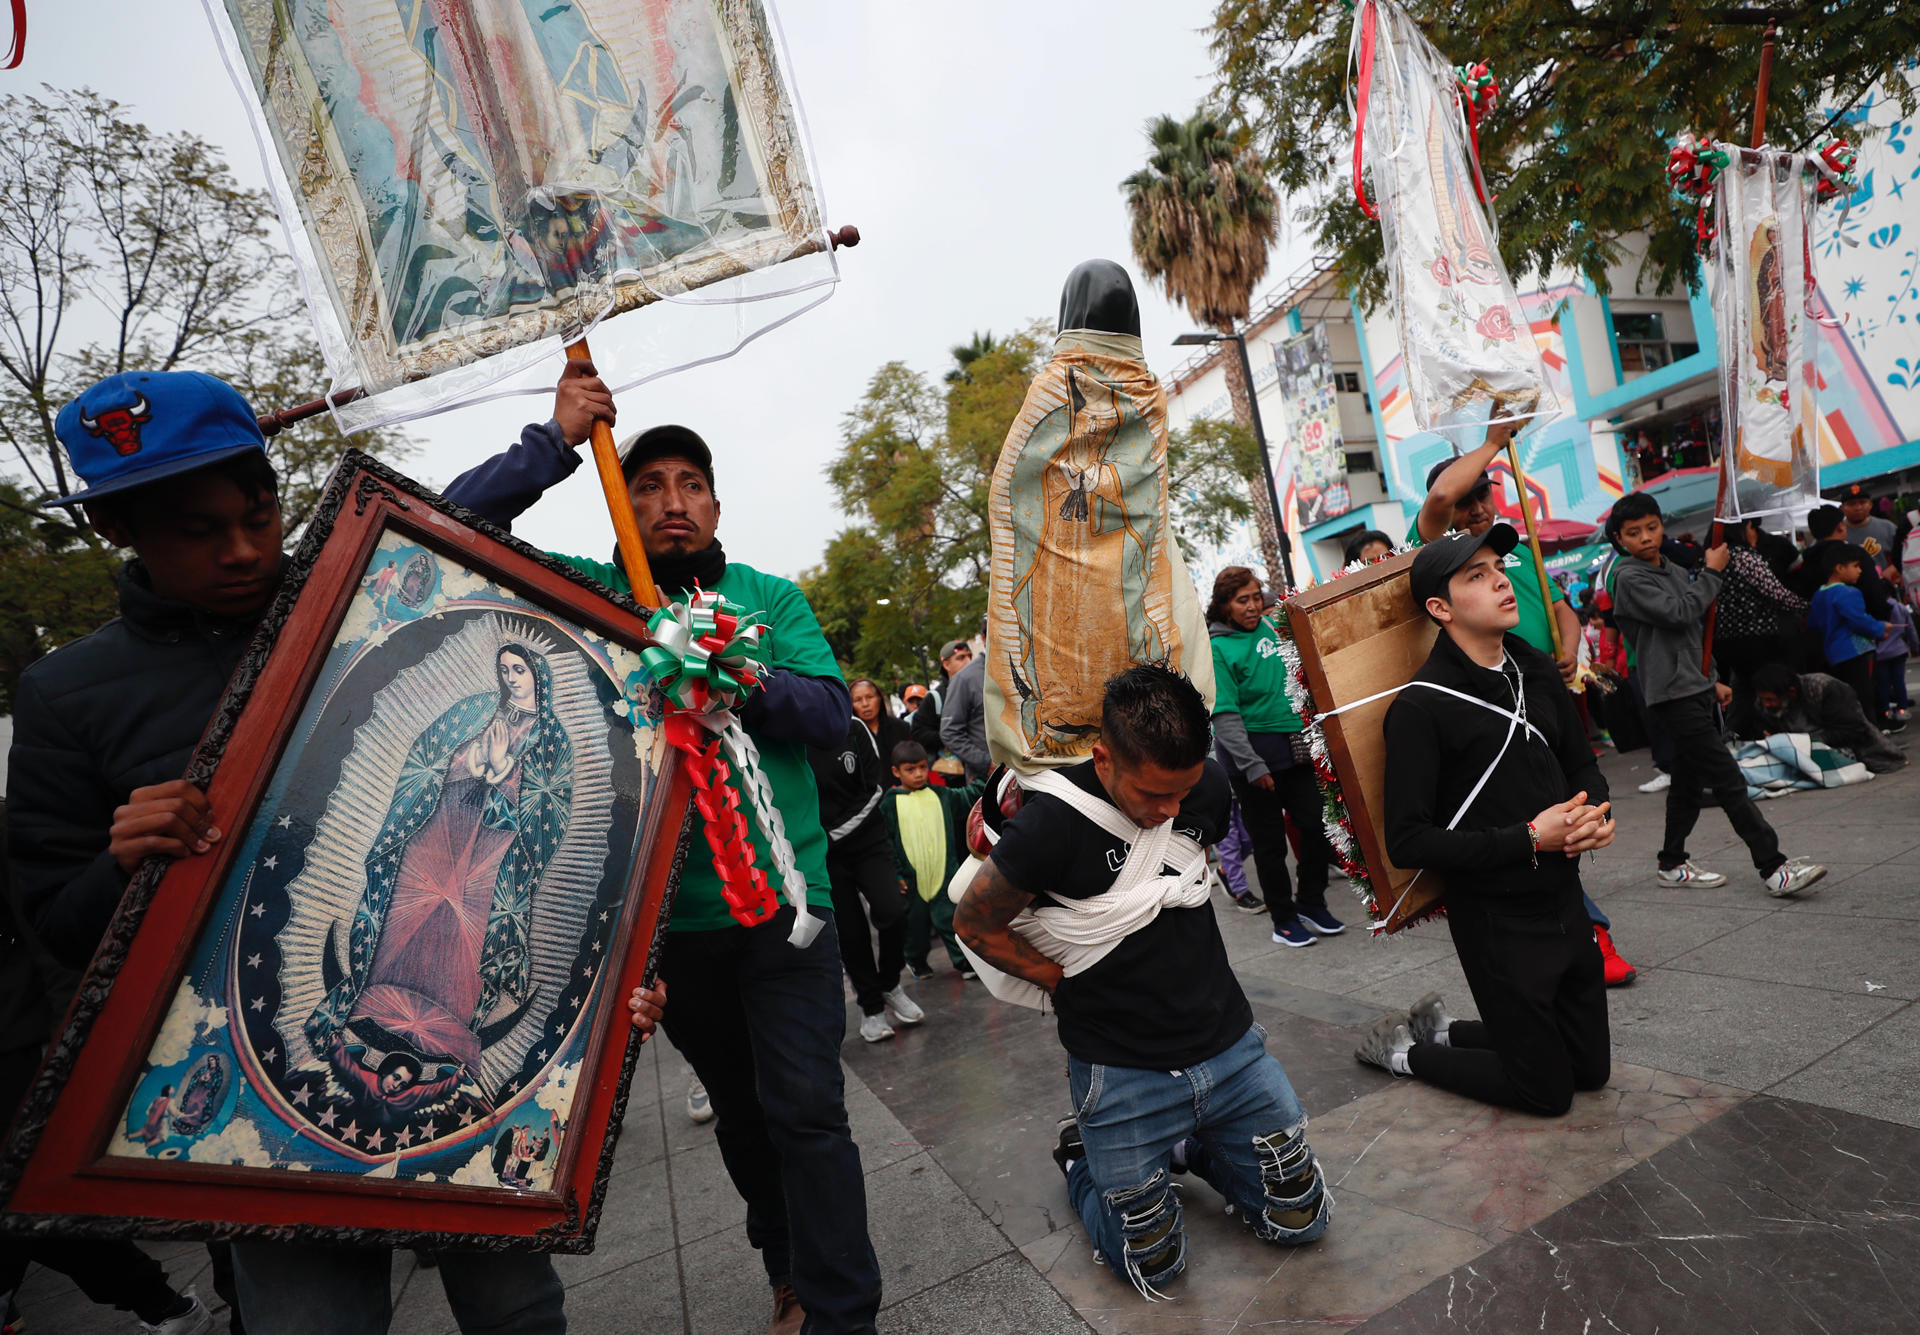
[1659,783]
[904,1008]
[1427,1017]
[1793,876]
[699,1106]
[874,1028]
[196,1320]
[1688,874]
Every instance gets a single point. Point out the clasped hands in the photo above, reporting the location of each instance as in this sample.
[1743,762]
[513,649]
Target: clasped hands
[1574,826]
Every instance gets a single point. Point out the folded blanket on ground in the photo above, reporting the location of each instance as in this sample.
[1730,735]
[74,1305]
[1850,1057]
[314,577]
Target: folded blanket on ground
[1787,761]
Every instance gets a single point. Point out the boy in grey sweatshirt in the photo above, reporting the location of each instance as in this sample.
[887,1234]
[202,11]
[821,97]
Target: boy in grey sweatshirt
[1659,608]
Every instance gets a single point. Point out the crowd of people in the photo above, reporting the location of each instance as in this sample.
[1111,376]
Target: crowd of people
[1495,775]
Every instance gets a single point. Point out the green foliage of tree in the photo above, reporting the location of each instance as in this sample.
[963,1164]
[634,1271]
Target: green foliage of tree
[123,249]
[1203,218]
[1208,464]
[1593,94]
[53,586]
[912,473]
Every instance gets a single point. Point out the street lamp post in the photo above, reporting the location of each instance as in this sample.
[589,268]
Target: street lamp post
[1259,436]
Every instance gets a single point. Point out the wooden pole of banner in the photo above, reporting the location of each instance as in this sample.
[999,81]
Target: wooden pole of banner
[613,481]
[1533,541]
[1720,491]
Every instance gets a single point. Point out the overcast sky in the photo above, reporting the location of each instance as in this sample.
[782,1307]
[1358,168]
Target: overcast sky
[979,150]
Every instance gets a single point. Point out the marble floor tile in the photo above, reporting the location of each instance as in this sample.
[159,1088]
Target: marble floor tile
[1876,1074]
[1776,1217]
[1735,1030]
[1818,950]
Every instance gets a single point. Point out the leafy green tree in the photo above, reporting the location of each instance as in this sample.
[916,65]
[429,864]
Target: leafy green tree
[53,586]
[1208,464]
[1593,95]
[966,354]
[1203,220]
[123,249]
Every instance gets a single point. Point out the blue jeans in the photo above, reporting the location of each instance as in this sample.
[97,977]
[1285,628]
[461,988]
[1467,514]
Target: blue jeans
[305,1289]
[761,1025]
[1248,1137]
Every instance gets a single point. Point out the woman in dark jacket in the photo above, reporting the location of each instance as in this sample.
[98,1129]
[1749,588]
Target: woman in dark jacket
[870,707]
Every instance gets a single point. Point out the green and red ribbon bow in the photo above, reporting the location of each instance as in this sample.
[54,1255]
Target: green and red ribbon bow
[1693,166]
[1839,156]
[707,654]
[1479,92]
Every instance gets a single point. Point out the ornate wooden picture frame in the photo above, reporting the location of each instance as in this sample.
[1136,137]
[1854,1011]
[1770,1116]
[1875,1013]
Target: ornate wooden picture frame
[1356,637]
[388,1007]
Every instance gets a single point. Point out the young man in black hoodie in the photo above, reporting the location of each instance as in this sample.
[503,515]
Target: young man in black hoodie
[1481,736]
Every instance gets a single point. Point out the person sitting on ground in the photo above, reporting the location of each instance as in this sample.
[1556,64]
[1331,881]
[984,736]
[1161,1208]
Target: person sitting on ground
[1823,707]
[1477,752]
[1848,635]
[1370,545]
[1659,609]
[928,826]
[1256,733]
[1166,1069]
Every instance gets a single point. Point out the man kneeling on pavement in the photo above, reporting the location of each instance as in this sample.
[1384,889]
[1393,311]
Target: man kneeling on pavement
[1167,1070]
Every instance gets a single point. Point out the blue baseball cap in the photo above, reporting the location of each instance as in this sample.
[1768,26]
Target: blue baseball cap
[141,426]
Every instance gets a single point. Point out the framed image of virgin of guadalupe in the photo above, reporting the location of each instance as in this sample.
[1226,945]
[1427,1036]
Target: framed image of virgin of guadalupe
[388,1007]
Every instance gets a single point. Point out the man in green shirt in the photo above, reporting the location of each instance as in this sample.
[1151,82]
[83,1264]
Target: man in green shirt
[1460,496]
[759,1020]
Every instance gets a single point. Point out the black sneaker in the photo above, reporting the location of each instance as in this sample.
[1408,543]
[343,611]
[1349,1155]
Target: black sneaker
[1248,903]
[1070,1146]
[920,971]
[1320,922]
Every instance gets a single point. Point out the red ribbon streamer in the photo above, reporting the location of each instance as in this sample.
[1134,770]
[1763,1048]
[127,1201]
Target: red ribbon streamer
[18,51]
[729,838]
[1360,114]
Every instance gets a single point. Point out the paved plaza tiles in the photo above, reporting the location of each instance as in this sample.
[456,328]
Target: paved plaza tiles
[1753,1165]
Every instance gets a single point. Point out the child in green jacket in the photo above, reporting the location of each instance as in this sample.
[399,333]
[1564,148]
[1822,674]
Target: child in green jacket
[929,829]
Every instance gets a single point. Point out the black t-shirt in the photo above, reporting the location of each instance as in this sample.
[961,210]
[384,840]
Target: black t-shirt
[1164,998]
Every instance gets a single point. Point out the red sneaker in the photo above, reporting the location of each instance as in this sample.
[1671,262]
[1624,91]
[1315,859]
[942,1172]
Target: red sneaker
[1618,972]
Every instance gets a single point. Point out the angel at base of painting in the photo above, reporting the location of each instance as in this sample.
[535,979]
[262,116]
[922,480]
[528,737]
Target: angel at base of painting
[439,944]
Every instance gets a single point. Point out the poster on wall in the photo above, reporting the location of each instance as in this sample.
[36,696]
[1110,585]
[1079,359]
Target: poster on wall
[1313,425]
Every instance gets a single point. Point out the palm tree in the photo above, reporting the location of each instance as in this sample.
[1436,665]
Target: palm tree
[1204,219]
[966,354]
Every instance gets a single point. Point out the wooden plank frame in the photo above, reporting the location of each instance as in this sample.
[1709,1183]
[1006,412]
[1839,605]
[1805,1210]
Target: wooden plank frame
[59,1175]
[1358,636]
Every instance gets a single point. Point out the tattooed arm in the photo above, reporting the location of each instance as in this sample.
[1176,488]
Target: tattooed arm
[981,919]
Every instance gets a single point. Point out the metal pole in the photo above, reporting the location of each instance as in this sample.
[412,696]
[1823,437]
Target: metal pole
[1266,460]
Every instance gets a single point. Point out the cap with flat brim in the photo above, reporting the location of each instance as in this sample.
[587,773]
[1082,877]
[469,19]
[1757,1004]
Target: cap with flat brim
[145,476]
[1433,476]
[666,442]
[1440,560]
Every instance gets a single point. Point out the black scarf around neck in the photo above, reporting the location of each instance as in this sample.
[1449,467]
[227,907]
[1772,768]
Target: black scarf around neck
[678,574]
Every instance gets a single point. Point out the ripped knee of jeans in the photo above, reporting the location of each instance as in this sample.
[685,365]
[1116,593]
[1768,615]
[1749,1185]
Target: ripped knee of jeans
[1298,1207]
[1152,1232]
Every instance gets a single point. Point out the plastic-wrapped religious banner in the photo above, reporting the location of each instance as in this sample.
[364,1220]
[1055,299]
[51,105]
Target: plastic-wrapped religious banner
[1313,426]
[1351,644]
[1087,579]
[1761,280]
[1470,355]
[467,183]
[389,1007]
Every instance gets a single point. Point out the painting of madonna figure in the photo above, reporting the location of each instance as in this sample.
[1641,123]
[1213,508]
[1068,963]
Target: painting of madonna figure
[439,939]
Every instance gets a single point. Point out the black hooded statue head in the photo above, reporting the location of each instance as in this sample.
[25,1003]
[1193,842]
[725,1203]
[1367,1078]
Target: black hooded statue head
[1099,295]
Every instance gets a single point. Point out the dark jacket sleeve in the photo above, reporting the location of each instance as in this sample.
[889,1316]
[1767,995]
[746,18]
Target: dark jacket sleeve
[58,820]
[504,487]
[966,704]
[901,866]
[810,710]
[1416,827]
[926,727]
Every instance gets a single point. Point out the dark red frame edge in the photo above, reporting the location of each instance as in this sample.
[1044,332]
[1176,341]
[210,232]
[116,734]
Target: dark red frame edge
[65,1122]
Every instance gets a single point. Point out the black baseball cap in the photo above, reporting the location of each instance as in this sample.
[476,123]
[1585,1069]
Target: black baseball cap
[1855,491]
[666,442]
[1433,476]
[1441,559]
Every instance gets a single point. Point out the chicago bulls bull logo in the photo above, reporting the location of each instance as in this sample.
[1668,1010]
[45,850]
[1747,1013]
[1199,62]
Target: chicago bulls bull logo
[121,426]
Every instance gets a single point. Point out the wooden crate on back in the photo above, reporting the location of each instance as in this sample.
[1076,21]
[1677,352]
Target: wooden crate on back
[1357,636]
